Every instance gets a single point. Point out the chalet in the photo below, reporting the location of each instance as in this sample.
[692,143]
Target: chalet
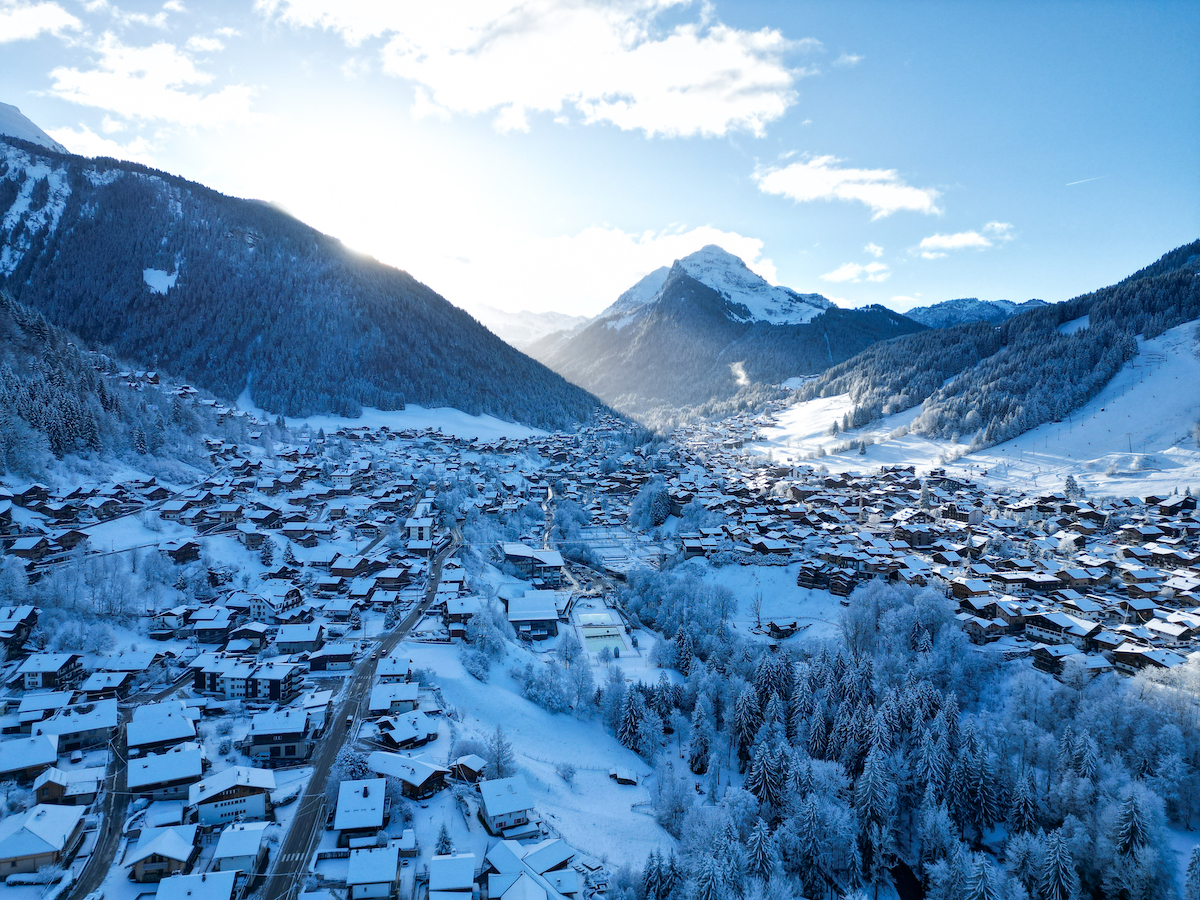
[205,886]
[393,669]
[403,732]
[159,726]
[534,615]
[452,876]
[239,792]
[393,698]
[506,806]
[280,736]
[43,671]
[31,548]
[374,872]
[543,869]
[16,624]
[86,724]
[241,848]
[1132,658]
[1060,628]
[163,851]
[181,552]
[168,775]
[24,759]
[77,787]
[274,605]
[300,638]
[359,813]
[333,657]
[43,836]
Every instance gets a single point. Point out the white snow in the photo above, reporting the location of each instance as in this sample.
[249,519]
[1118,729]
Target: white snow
[45,218]
[451,421]
[729,276]
[1134,438]
[14,124]
[1075,325]
[159,281]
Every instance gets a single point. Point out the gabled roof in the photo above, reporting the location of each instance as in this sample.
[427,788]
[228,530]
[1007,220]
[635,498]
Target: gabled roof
[44,829]
[171,842]
[206,886]
[235,776]
[505,795]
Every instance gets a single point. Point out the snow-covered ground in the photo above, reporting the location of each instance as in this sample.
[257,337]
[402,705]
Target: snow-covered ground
[593,813]
[1134,438]
[451,421]
[782,600]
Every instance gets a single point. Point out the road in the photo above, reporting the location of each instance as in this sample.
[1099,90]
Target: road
[115,806]
[291,865]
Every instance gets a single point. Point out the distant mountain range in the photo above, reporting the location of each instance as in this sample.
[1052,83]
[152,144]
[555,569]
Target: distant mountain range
[231,293]
[705,330]
[969,309]
[524,328]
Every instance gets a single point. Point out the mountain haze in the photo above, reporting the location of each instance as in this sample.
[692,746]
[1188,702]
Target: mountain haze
[232,293]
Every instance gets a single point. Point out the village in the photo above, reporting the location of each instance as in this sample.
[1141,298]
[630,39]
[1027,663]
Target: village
[270,721]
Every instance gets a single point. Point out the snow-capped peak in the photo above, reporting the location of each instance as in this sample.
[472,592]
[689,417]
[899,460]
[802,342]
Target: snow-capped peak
[732,279]
[14,124]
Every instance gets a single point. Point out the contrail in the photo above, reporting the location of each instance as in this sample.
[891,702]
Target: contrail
[1085,181]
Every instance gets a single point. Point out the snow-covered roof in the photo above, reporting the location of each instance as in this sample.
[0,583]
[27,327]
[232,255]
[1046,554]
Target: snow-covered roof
[453,872]
[411,770]
[374,865]
[171,842]
[505,795]
[19,754]
[360,804]
[240,839]
[206,886]
[182,763]
[44,829]
[235,776]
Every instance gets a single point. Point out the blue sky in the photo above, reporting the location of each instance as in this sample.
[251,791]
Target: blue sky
[537,154]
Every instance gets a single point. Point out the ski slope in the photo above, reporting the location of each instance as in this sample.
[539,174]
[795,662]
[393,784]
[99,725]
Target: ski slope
[1134,438]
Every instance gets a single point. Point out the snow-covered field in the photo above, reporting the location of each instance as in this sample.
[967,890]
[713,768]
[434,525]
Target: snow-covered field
[1134,438]
[594,813]
[451,421]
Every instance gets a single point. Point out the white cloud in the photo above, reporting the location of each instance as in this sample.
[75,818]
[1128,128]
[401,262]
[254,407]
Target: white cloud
[874,249]
[848,60]
[937,245]
[875,271]
[821,178]
[155,82]
[21,21]
[86,142]
[610,62]
[202,44]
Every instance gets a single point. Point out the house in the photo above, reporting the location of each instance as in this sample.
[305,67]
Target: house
[419,778]
[16,623]
[374,872]
[31,548]
[158,726]
[1059,628]
[106,685]
[280,736]
[163,851]
[26,758]
[506,805]
[37,707]
[43,671]
[469,767]
[238,792]
[542,869]
[403,732]
[389,699]
[43,836]
[275,604]
[534,615]
[333,657]
[166,776]
[78,787]
[83,725]
[300,638]
[359,813]
[452,876]
[205,886]
[241,848]
[394,669]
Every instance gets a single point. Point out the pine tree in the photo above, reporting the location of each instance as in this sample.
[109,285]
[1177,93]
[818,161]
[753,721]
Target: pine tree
[1132,829]
[267,555]
[760,851]
[746,720]
[631,717]
[1191,882]
[1022,812]
[672,877]
[709,881]
[652,876]
[289,555]
[444,845]
[984,882]
[1059,879]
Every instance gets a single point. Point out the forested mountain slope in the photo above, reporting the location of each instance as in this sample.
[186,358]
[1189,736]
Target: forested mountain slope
[228,293]
[988,383]
[676,341]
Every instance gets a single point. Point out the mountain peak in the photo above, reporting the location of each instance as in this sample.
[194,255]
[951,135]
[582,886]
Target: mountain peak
[750,297]
[14,124]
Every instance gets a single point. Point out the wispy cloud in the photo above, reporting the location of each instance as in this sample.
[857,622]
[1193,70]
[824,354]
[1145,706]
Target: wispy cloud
[610,62]
[86,142]
[854,272]
[938,245]
[847,60]
[823,178]
[21,21]
[158,82]
[874,249]
[1084,181]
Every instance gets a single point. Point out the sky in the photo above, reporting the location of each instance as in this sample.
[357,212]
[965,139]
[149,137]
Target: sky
[546,154]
